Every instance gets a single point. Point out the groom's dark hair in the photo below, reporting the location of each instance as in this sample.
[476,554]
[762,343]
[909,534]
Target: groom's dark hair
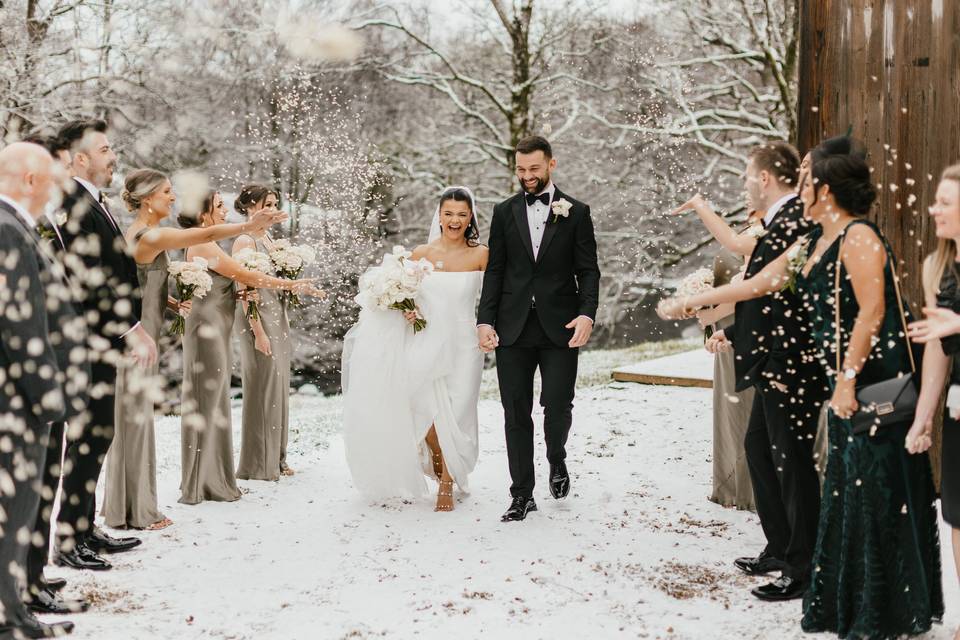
[535,143]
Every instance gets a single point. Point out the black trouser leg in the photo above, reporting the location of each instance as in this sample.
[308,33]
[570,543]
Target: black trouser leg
[766,483]
[21,464]
[792,436]
[40,553]
[558,371]
[84,458]
[515,368]
[779,451]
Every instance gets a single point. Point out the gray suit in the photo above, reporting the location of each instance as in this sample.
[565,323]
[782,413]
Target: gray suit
[31,397]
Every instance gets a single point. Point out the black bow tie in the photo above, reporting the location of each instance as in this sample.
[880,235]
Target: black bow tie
[543,197]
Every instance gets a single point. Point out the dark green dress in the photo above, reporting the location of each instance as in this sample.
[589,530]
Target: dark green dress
[876,564]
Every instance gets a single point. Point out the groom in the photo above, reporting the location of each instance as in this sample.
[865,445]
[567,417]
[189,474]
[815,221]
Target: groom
[539,300]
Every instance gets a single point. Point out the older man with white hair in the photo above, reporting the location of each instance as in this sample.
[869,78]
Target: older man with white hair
[31,394]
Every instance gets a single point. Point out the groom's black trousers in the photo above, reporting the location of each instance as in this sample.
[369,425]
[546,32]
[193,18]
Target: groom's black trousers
[516,365]
[779,446]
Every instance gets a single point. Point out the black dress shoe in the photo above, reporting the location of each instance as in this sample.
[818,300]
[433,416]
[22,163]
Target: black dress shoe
[100,542]
[761,565]
[53,584]
[33,628]
[45,601]
[81,557]
[783,588]
[559,480]
[519,509]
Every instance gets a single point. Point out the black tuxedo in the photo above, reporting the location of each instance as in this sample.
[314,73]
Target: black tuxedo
[564,279]
[97,257]
[31,398]
[69,340]
[772,343]
[529,300]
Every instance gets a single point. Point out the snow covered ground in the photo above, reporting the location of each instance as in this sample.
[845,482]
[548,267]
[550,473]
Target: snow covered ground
[636,551]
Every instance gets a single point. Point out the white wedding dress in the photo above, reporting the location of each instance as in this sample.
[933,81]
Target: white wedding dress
[396,384]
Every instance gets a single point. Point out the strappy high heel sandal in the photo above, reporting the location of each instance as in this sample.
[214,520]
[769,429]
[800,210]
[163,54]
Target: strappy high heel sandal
[446,491]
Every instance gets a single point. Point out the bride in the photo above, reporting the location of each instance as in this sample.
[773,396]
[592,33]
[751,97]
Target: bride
[410,400]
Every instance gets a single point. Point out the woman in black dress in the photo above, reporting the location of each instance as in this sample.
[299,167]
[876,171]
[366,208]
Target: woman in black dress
[941,289]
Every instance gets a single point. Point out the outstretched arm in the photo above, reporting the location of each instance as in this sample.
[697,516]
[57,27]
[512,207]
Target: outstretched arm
[722,232]
[773,278]
[160,239]
[226,266]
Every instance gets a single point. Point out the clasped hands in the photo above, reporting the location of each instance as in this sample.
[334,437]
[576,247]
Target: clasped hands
[582,326]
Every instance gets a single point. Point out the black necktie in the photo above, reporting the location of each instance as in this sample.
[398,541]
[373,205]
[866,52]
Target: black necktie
[543,197]
[106,209]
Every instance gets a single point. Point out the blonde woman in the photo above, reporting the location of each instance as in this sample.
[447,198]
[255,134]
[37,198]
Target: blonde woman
[941,290]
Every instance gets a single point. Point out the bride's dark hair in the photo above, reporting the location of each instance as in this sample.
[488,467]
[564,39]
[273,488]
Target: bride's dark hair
[472,233]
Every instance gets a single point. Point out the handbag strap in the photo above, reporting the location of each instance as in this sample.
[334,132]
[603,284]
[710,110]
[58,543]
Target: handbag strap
[836,299]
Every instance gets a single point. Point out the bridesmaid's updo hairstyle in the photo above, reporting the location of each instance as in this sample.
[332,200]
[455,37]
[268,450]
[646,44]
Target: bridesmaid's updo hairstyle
[194,219]
[472,232]
[140,185]
[251,195]
[841,164]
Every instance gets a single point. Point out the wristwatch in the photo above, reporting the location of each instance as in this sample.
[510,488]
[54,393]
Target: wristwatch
[849,374]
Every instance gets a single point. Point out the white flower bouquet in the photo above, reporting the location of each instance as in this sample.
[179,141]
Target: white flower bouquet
[255,261]
[394,284]
[290,260]
[193,281]
[697,282]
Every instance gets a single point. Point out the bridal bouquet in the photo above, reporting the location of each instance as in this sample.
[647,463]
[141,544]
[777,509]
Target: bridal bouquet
[193,281]
[289,261]
[697,282]
[255,261]
[394,284]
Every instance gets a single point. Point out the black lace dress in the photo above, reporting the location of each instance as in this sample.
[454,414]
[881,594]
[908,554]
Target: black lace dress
[876,564]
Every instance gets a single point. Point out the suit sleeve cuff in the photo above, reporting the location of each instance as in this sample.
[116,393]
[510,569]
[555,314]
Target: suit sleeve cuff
[587,317]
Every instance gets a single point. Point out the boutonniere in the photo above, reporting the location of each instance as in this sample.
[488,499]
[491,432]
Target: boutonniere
[47,233]
[61,218]
[796,258]
[560,209]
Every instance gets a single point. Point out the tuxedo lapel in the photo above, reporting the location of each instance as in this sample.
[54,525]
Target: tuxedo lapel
[523,227]
[550,229]
[101,210]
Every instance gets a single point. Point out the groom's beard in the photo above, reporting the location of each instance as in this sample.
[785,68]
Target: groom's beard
[540,186]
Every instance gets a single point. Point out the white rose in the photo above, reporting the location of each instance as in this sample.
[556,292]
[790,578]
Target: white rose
[561,207]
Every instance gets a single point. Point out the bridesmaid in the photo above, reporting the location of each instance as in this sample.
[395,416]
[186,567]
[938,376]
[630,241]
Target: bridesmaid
[731,408]
[941,357]
[207,440]
[130,496]
[265,352]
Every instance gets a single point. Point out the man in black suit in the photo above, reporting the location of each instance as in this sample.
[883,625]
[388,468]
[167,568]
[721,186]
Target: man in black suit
[31,395]
[539,301]
[97,256]
[775,355]
[64,298]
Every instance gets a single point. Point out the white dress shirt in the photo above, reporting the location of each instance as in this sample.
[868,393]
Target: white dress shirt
[775,208]
[537,216]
